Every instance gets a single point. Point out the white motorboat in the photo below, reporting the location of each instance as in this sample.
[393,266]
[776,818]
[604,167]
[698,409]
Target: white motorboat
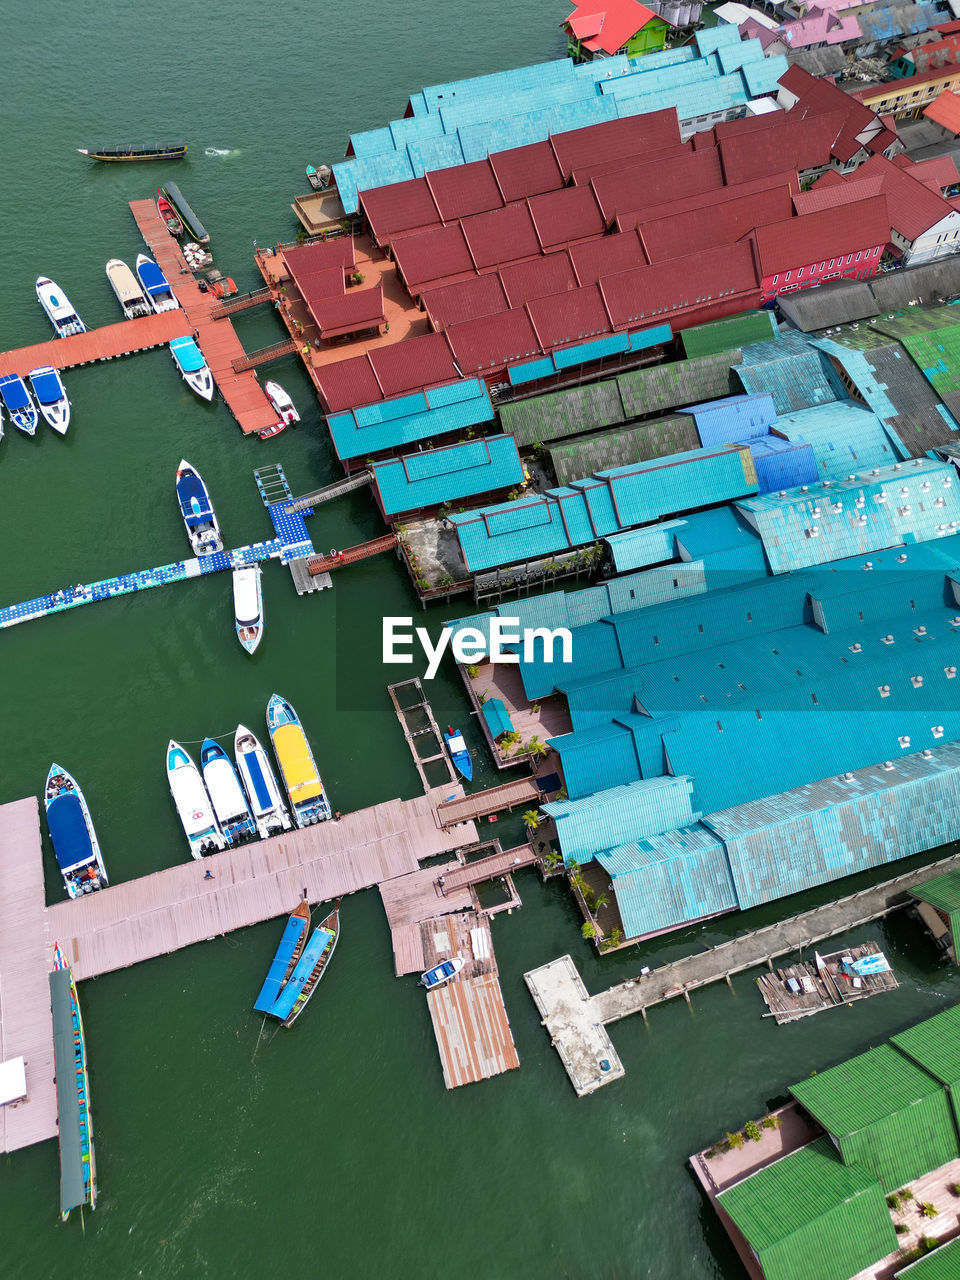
[188,358]
[281,402]
[159,294]
[196,814]
[226,794]
[199,517]
[51,397]
[248,606]
[260,783]
[71,830]
[59,309]
[127,289]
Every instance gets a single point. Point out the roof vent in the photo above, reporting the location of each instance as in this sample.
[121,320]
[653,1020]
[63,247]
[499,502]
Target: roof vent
[782,493]
[952,524]
[883,690]
[887,639]
[955,621]
[920,631]
[880,497]
[815,511]
[940,502]
[937,730]
[826,484]
[861,519]
[917,681]
[949,672]
[887,764]
[861,501]
[904,511]
[868,564]
[947,481]
[897,466]
[901,558]
[925,487]
[905,740]
[941,528]
[836,508]
[804,488]
[851,477]
[847,777]
[875,471]
[856,648]
[927,753]
[904,491]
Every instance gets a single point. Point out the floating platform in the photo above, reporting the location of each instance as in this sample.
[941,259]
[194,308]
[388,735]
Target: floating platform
[106,343]
[821,988]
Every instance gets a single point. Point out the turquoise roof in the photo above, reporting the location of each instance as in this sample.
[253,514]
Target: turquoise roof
[844,436]
[620,814]
[447,474]
[358,433]
[497,717]
[639,547]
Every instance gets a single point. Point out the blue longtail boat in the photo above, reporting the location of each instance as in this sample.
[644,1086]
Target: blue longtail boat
[285,961]
[308,970]
[462,760]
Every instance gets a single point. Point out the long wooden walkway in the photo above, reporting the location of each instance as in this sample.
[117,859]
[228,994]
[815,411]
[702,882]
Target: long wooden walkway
[105,343]
[509,795]
[498,864]
[218,340]
[376,547]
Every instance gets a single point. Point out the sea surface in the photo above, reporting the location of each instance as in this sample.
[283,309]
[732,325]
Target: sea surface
[332,1150]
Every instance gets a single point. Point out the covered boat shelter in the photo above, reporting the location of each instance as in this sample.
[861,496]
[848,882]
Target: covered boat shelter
[75,1160]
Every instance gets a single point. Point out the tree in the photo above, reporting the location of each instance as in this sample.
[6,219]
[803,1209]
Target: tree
[588,929]
[531,819]
[599,902]
[535,747]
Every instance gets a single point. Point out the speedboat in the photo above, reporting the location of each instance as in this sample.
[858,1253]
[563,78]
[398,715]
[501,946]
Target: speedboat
[197,511]
[226,794]
[71,830]
[51,397]
[18,402]
[281,402]
[441,973]
[158,292]
[196,813]
[59,309]
[169,215]
[125,285]
[188,358]
[269,811]
[248,606]
[297,765]
[462,760]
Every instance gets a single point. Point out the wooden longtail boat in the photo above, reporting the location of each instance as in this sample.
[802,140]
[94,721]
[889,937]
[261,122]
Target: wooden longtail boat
[285,961]
[308,970]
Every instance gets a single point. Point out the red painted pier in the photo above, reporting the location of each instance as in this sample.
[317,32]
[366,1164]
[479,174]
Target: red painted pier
[106,343]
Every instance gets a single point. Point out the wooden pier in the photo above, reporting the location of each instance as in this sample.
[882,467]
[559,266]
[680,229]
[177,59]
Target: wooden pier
[276,351]
[242,302]
[800,990]
[502,863]
[509,795]
[350,555]
[335,490]
[106,343]
[306,582]
[412,710]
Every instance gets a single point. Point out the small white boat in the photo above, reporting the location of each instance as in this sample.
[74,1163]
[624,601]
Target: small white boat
[441,973]
[248,606]
[18,402]
[200,824]
[281,402]
[127,288]
[199,517]
[188,358]
[51,397]
[260,783]
[71,830]
[59,309]
[226,794]
[159,294]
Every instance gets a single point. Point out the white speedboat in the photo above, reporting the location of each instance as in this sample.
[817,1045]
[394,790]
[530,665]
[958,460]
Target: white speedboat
[248,606]
[199,517]
[71,830]
[441,973]
[59,309]
[200,824]
[51,397]
[18,402]
[127,288]
[281,402]
[260,783]
[188,358]
[159,294]
[226,794]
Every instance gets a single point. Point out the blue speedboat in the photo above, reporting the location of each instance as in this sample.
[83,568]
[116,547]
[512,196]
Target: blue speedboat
[154,284]
[71,830]
[441,973]
[226,794]
[263,791]
[19,403]
[188,358]
[462,760]
[51,397]
[197,510]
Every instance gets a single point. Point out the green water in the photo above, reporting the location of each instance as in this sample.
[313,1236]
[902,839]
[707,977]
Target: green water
[332,1150]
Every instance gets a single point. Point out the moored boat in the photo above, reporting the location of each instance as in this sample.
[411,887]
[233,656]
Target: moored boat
[281,402]
[297,765]
[462,760]
[248,606]
[275,430]
[308,971]
[188,358]
[285,961]
[169,215]
[51,397]
[78,1170]
[260,783]
[127,289]
[441,973]
[72,833]
[18,403]
[155,285]
[225,792]
[187,216]
[57,305]
[135,151]
[199,517]
[313,177]
[193,805]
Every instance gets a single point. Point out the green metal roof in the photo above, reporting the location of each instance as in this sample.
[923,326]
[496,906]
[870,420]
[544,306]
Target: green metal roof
[740,330]
[935,1045]
[620,446]
[808,1217]
[938,355]
[942,892]
[563,413]
[942,1264]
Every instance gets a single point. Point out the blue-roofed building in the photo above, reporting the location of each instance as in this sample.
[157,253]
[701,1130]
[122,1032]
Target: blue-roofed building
[733,419]
[643,808]
[638,548]
[783,464]
[387,426]
[792,370]
[844,437]
[427,480]
[729,549]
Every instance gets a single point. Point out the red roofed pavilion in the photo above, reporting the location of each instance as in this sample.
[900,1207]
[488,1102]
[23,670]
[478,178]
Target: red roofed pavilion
[605,27]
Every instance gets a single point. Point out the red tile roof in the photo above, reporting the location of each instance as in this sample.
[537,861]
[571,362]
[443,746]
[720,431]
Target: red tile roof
[606,256]
[418,362]
[619,21]
[724,222]
[569,317]
[944,110]
[503,235]
[795,242]
[714,276]
[309,258]
[615,138]
[493,341]
[786,141]
[347,384]
[403,206]
[538,278]
[526,171]
[644,185]
[464,189]
[432,256]
[786,180]
[906,84]
[936,174]
[561,217]
[582,175]
[912,206]
[321,284]
[349,313]
[453,303]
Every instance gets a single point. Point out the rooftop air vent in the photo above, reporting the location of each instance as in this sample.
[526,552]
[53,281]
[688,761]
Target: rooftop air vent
[920,631]
[917,681]
[813,532]
[887,764]
[947,481]
[927,753]
[880,497]
[887,639]
[815,511]
[901,558]
[861,519]
[883,690]
[804,488]
[904,491]
[836,508]
[897,466]
[940,502]
[848,777]
[949,672]
[851,477]
[856,648]
[904,741]
[868,564]
[875,471]
[904,511]
[925,487]
[937,730]
[861,501]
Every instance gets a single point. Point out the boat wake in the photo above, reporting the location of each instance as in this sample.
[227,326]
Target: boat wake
[220,151]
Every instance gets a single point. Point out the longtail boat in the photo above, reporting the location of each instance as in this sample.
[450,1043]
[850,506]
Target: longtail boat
[135,151]
[285,961]
[308,970]
[78,1172]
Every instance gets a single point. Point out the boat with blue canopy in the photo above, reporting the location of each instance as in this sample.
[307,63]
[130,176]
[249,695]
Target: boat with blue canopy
[441,973]
[226,794]
[199,517]
[78,1169]
[60,311]
[260,783]
[155,285]
[188,358]
[309,969]
[18,403]
[285,961]
[72,833]
[51,397]
[462,760]
[297,765]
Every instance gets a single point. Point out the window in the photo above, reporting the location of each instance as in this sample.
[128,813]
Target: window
[832,260]
[849,258]
[788,275]
[800,274]
[822,265]
[777,276]
[859,255]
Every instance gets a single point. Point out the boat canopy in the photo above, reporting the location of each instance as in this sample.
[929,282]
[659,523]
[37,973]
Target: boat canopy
[246,603]
[193,498]
[264,799]
[270,990]
[14,392]
[134,148]
[187,354]
[299,771]
[47,385]
[152,278]
[68,831]
[224,788]
[312,954]
[72,1122]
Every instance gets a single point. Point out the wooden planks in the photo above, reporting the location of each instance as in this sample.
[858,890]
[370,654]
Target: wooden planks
[494,800]
[498,864]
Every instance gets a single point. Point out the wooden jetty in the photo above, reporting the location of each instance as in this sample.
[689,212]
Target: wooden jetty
[334,490]
[410,703]
[106,343]
[410,899]
[242,302]
[800,990]
[306,582]
[217,338]
[575,1019]
[509,795]
[350,555]
[501,863]
[160,913]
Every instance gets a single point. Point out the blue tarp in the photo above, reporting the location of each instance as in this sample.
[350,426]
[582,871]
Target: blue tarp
[68,831]
[14,393]
[274,979]
[47,386]
[312,952]
[187,354]
[152,278]
[264,800]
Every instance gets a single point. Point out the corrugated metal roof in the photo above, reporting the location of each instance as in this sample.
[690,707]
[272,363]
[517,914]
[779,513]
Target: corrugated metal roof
[418,362]
[447,474]
[562,413]
[741,330]
[728,219]
[680,382]
[620,814]
[640,547]
[433,257]
[497,717]
[470,188]
[569,317]
[405,206]
[623,445]
[795,242]
[615,138]
[644,186]
[844,437]
[490,342]
[934,1044]
[359,434]
[655,292]
[453,303]
[733,418]
[942,892]
[561,217]
[348,383]
[596,759]
[501,236]
[539,278]
[834,303]
[792,370]
[606,256]
[526,171]
[942,1264]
